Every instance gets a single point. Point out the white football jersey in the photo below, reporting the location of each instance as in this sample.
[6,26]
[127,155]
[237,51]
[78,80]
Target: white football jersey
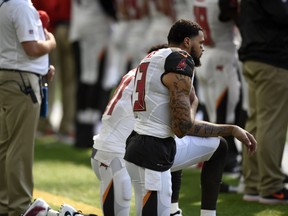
[151,98]
[118,119]
[217,34]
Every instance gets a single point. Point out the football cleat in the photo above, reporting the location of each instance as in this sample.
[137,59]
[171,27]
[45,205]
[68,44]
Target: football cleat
[177,213]
[37,208]
[68,210]
[279,197]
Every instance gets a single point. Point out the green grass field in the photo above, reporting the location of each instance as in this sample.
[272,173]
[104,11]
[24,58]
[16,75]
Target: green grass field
[65,172]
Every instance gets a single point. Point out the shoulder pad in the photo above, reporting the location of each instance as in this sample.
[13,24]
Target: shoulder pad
[179,62]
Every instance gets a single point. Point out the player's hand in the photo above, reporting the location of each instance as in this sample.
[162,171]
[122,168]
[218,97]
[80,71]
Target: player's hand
[245,138]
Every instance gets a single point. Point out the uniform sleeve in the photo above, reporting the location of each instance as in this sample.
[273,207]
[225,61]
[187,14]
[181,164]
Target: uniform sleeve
[27,24]
[179,62]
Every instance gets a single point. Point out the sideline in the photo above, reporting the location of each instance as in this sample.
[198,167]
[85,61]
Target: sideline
[59,200]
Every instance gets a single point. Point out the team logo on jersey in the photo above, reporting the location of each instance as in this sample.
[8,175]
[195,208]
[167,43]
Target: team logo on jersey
[181,65]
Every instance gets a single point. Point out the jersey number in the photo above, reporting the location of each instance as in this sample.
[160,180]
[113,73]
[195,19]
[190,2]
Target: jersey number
[117,95]
[140,79]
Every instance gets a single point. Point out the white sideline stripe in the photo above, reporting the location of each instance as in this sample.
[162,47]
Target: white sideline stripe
[59,200]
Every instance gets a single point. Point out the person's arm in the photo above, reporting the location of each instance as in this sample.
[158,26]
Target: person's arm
[228,10]
[40,47]
[194,101]
[179,87]
[207,129]
[277,10]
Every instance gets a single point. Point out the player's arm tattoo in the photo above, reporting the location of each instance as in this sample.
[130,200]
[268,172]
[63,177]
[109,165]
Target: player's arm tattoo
[209,129]
[180,105]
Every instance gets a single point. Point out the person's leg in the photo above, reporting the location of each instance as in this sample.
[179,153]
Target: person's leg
[89,109]
[192,150]
[176,178]
[20,118]
[67,79]
[272,102]
[4,145]
[137,177]
[117,56]
[250,163]
[85,115]
[115,187]
[211,177]
[152,190]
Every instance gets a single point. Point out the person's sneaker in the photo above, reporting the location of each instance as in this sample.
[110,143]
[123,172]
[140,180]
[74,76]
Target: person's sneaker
[251,197]
[280,197]
[177,213]
[68,138]
[226,188]
[68,210]
[37,208]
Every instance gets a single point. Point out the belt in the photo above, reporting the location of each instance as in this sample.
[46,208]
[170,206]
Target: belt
[19,71]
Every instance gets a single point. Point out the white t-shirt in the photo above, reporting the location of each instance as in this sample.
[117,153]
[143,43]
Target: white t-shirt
[20,22]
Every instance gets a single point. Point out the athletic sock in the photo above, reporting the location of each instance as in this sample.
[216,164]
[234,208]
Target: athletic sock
[207,212]
[174,207]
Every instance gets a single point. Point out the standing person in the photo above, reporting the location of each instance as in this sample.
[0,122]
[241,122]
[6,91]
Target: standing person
[127,33]
[62,58]
[23,60]
[89,33]
[164,105]
[220,86]
[264,51]
[161,17]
